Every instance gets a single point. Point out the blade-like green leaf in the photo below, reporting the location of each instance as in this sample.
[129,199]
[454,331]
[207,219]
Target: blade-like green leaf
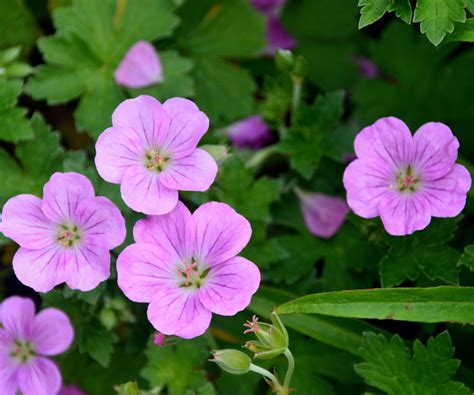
[340,333]
[439,304]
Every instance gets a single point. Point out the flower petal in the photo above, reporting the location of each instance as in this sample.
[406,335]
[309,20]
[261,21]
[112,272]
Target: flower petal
[88,264]
[221,233]
[24,222]
[387,144]
[435,150]
[230,286]
[142,270]
[62,194]
[403,214]
[8,376]
[251,132]
[179,312]
[142,191]
[173,232]
[277,36]
[187,127]
[140,67]
[39,377]
[18,314]
[195,172]
[323,214]
[41,269]
[117,149]
[447,195]
[100,218]
[52,332]
[365,186]
[144,116]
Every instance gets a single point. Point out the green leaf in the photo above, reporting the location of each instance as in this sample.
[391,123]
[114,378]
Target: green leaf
[372,11]
[130,388]
[402,9]
[92,37]
[304,143]
[344,334]
[438,304]
[392,368]
[223,91]
[17,25]
[467,258]
[13,124]
[98,342]
[423,252]
[462,32]
[437,17]
[178,367]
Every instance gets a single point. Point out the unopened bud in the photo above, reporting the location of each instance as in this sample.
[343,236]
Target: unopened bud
[232,361]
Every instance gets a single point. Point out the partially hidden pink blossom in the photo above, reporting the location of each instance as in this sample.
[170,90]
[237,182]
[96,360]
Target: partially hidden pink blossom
[277,36]
[406,179]
[26,341]
[323,214]
[141,67]
[151,151]
[185,266]
[251,132]
[64,237]
[71,390]
[367,67]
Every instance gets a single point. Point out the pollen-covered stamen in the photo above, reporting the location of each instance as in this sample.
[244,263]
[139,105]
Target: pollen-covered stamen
[406,181]
[68,235]
[156,160]
[22,351]
[252,325]
[192,275]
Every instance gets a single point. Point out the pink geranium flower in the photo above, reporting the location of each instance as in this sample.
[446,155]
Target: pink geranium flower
[251,132]
[141,67]
[151,151]
[71,390]
[323,214]
[64,237]
[26,341]
[406,179]
[185,266]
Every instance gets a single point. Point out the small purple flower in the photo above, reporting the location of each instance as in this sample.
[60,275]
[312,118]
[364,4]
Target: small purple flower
[269,7]
[64,237]
[185,266]
[323,214]
[278,37]
[151,151]
[71,390]
[251,132]
[26,340]
[406,179]
[367,67]
[141,67]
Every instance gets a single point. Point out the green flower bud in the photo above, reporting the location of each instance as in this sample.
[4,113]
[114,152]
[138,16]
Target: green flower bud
[232,361]
[272,340]
[284,59]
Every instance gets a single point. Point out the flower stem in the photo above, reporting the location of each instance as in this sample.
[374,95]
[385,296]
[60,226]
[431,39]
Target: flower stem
[291,368]
[295,101]
[265,373]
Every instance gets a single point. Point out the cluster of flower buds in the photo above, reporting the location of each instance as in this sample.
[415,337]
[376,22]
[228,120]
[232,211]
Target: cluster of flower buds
[271,341]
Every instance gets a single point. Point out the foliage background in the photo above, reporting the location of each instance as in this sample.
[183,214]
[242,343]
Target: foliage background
[211,52]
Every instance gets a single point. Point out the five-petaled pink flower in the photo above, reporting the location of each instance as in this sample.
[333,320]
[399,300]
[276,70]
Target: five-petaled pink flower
[251,132]
[323,214]
[26,340]
[64,237]
[151,151]
[406,179]
[185,266]
[141,67]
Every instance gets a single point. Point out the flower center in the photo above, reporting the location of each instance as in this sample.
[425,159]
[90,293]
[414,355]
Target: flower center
[22,351]
[156,161]
[192,275]
[68,235]
[407,181]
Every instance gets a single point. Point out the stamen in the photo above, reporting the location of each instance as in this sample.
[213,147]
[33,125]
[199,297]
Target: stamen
[192,275]
[156,160]
[252,325]
[68,235]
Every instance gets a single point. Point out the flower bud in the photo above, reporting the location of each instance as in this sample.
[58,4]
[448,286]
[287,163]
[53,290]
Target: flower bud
[232,361]
[284,59]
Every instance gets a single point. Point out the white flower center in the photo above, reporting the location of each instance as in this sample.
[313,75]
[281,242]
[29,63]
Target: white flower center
[22,351]
[155,160]
[406,181]
[192,275]
[68,235]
